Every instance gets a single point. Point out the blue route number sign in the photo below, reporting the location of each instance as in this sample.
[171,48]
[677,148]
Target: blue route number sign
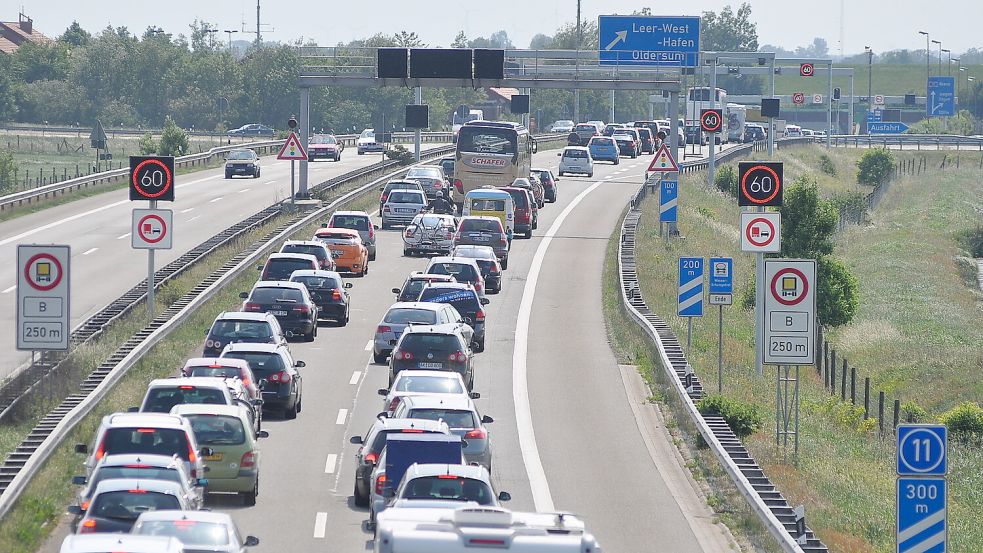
[922,450]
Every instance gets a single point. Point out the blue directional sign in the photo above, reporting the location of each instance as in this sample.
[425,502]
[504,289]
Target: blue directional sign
[690,303]
[721,275]
[874,115]
[941,97]
[922,450]
[668,201]
[648,40]
[922,515]
[883,127]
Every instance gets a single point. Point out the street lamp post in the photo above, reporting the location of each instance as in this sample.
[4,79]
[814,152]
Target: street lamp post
[948,68]
[939,42]
[958,79]
[229,32]
[870,72]
[928,71]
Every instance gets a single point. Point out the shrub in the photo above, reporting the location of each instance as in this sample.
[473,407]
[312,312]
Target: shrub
[838,293]
[826,165]
[173,141]
[874,166]
[8,170]
[744,418]
[148,146]
[726,180]
[972,241]
[911,412]
[964,421]
[400,154]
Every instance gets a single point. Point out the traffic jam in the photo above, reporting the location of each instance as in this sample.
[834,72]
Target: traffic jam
[422,471]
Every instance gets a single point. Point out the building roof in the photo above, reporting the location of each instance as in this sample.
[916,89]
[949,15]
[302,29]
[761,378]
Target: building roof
[15,33]
[503,93]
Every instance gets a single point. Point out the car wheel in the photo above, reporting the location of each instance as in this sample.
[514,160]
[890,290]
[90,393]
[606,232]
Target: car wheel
[407,253]
[560,174]
[505,263]
[379,358]
[384,225]
[344,321]
[360,152]
[290,413]
[617,161]
[528,234]
[249,498]
[359,499]
[228,175]
[372,256]
[480,346]
[590,175]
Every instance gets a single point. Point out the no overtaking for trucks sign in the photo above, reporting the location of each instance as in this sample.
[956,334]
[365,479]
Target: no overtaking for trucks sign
[43,297]
[790,311]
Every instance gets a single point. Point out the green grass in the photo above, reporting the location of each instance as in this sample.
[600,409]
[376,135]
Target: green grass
[905,262]
[889,80]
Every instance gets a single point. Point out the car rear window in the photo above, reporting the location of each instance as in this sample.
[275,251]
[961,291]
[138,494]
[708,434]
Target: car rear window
[317,282]
[448,487]
[427,172]
[276,295]
[482,225]
[380,439]
[219,372]
[158,441]
[438,343]
[354,222]
[161,399]
[226,330]
[465,301]
[478,204]
[574,153]
[590,128]
[337,239]
[316,251]
[217,429]
[189,532]
[428,385]
[519,198]
[398,197]
[408,315]
[127,505]
[281,269]
[461,271]
[453,417]
[140,472]
[262,364]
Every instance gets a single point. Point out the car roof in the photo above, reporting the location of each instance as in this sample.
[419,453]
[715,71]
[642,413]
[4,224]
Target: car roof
[336,230]
[405,181]
[491,192]
[441,401]
[149,484]
[409,373]
[430,277]
[244,316]
[451,285]
[386,423]
[302,243]
[215,362]
[480,218]
[121,459]
[196,381]
[209,409]
[487,250]
[255,346]
[445,329]
[279,255]
[122,543]
[279,284]
[351,213]
[200,516]
[315,273]
[421,470]
[429,306]
[581,148]
[148,420]
[451,259]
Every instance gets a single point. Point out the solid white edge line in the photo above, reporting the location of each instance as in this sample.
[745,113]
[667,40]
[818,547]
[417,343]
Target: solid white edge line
[368,345]
[9,290]
[538,483]
[122,236]
[90,250]
[355,376]
[331,463]
[342,415]
[320,524]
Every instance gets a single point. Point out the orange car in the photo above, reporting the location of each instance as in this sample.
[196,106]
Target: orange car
[346,248]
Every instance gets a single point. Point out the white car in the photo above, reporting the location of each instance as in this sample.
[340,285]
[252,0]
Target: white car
[121,543]
[412,382]
[429,233]
[402,206]
[197,530]
[366,142]
[576,159]
[562,126]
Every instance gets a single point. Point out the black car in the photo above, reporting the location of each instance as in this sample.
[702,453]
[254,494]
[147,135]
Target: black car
[549,184]
[628,142]
[242,162]
[289,302]
[447,164]
[434,348]
[753,133]
[648,140]
[329,292]
[312,247]
[415,283]
[484,256]
[463,297]
[254,129]
[273,363]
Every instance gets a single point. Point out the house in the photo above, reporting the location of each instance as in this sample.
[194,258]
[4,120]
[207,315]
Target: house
[13,35]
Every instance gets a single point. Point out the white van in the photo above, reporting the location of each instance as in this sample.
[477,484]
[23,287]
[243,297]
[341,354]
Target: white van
[423,530]
[491,202]
[793,131]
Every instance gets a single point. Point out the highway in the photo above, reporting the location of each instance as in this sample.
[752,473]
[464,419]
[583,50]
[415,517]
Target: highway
[98,230]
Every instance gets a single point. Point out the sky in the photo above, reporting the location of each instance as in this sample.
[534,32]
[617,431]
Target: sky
[883,24]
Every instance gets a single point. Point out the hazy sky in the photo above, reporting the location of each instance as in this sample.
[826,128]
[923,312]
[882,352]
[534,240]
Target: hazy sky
[883,24]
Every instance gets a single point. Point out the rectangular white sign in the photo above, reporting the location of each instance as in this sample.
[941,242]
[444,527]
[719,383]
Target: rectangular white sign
[153,229]
[790,312]
[761,232]
[43,291]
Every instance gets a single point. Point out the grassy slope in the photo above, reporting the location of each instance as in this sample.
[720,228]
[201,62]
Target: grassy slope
[889,80]
[845,476]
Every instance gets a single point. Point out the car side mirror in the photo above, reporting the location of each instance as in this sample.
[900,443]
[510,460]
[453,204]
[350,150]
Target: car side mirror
[262,434]
[383,392]
[79,480]
[261,384]
[383,415]
[357,440]
[244,295]
[206,451]
[395,290]
[348,285]
[259,267]
[375,227]
[485,301]
[201,482]
[132,409]
[299,364]
[504,496]
[475,395]
[75,510]
[250,541]
[81,448]
[559,155]
[382,188]
[485,419]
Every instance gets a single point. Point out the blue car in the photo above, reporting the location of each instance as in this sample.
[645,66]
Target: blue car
[604,148]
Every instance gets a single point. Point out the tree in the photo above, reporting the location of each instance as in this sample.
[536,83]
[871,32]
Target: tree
[408,40]
[541,42]
[75,35]
[147,144]
[818,49]
[460,41]
[837,294]
[8,170]
[729,31]
[874,167]
[173,141]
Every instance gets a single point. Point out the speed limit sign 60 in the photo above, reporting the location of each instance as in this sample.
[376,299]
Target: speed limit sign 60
[760,183]
[711,120]
[152,178]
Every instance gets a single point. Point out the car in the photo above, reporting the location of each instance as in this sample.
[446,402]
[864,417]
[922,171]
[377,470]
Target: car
[653,127]
[120,543]
[233,465]
[236,326]
[461,416]
[604,148]
[410,290]
[484,231]
[224,368]
[117,503]
[610,128]
[491,269]
[279,266]
[136,433]
[289,302]
[585,131]
[374,442]
[562,126]
[284,387]
[549,183]
[356,220]
[402,206]
[647,140]
[807,132]
[366,142]
[429,233]
[242,162]
[754,132]
[447,166]
[326,146]
[491,201]
[164,393]
[143,466]
[329,292]
[440,485]
[464,269]
[526,217]
[347,249]
[665,126]
[464,299]
[532,184]
[400,453]
[397,185]
[695,135]
[325,260]
[198,531]
[433,347]
[253,129]
[598,124]
[412,382]
[432,179]
[628,142]
[576,159]
[402,314]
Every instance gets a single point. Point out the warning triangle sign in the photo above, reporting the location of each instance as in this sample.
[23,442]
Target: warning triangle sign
[292,149]
[663,161]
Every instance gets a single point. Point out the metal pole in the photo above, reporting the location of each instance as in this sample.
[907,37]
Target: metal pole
[611,117]
[576,92]
[771,135]
[795,452]
[759,300]
[689,334]
[711,166]
[850,128]
[778,406]
[151,306]
[292,191]
[305,129]
[720,349]
[674,124]
[829,109]
[418,99]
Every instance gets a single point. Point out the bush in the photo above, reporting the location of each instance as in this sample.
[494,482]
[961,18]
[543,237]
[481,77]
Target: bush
[400,154]
[8,170]
[964,421]
[173,141]
[838,294]
[826,165]
[875,166]
[726,180]
[911,412]
[971,240]
[148,146]
[744,418]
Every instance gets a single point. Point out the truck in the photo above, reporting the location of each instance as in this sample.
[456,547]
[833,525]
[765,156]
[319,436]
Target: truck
[457,121]
[736,115]
[403,450]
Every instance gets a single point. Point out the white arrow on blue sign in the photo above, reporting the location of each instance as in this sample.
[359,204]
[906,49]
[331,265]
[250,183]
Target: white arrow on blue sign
[941,97]
[921,519]
[690,299]
[648,40]
[883,127]
[668,201]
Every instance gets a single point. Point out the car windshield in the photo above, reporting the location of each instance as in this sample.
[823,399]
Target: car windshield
[478,204]
[427,172]
[135,471]
[408,315]
[241,330]
[262,364]
[354,222]
[191,533]
[380,439]
[406,198]
[428,385]
[217,429]
[449,488]
[519,198]
[240,154]
[338,238]
[317,282]
[282,268]
[323,139]
[128,504]
[454,418]
[219,372]
[482,225]
[438,343]
[367,133]
[485,140]
[574,153]
[310,249]
[465,301]
[158,441]
[461,271]
[402,186]
[276,295]
[162,399]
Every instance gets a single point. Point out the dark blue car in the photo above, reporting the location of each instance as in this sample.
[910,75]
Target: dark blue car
[604,148]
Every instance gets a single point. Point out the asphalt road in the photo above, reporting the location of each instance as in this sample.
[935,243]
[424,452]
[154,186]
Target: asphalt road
[98,230]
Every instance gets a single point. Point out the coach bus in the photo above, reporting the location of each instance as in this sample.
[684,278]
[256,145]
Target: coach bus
[491,153]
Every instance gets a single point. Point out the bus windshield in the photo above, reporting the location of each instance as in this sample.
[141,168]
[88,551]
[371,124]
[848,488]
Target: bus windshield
[485,140]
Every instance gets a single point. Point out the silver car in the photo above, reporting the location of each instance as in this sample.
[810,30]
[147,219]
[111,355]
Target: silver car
[402,206]
[429,233]
[461,415]
[198,530]
[438,485]
[412,382]
[404,313]
[432,179]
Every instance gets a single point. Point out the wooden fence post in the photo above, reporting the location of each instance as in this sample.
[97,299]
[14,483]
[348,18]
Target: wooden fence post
[897,413]
[843,382]
[832,379]
[832,364]
[880,413]
[853,385]
[866,397]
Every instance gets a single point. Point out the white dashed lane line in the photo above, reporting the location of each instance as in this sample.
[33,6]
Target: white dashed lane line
[355,376]
[11,289]
[122,236]
[320,523]
[218,199]
[331,463]
[187,210]
[342,416]
[90,250]
[368,345]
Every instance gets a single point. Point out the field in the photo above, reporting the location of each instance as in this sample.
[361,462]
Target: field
[889,80]
[916,334]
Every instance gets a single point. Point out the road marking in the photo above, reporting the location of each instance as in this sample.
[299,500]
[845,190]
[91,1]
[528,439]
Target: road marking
[244,190]
[11,289]
[91,250]
[320,523]
[187,210]
[193,218]
[342,415]
[36,230]
[355,376]
[330,464]
[541,496]
[197,181]
[368,345]
[213,200]
[122,236]
[268,182]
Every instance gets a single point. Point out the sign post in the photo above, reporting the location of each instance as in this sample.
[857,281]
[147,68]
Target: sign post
[721,294]
[43,297]
[294,151]
[690,298]
[921,488]
[151,178]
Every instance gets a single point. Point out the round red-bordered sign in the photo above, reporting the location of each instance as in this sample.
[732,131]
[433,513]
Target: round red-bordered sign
[711,120]
[799,98]
[807,70]
[771,237]
[34,283]
[148,239]
[774,176]
[798,298]
[169,179]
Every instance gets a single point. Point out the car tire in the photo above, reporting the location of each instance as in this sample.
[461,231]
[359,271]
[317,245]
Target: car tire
[480,346]
[344,321]
[505,263]
[379,358]
[560,174]
[249,498]
[359,499]
[407,253]
[228,175]
[372,256]
[590,175]
[385,225]
[617,161]
[360,152]
[290,413]
[528,234]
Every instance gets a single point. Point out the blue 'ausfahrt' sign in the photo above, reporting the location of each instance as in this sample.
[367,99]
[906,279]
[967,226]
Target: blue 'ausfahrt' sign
[649,40]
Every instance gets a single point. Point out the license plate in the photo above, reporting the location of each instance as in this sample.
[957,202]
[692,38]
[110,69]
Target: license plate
[430,365]
[214,457]
[279,313]
[398,210]
[337,253]
[481,238]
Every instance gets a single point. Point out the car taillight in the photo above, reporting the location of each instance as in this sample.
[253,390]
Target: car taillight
[336,294]
[457,357]
[84,506]
[403,356]
[477,433]
[192,457]
[438,185]
[101,451]
[494,268]
[381,329]
[371,458]
[479,286]
[479,316]
[87,527]
[380,482]
[457,237]
[383,198]
[283,377]
[248,460]
[393,403]
[251,306]
[459,185]
[302,309]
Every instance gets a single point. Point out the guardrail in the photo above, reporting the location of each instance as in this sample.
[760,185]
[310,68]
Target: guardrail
[902,140]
